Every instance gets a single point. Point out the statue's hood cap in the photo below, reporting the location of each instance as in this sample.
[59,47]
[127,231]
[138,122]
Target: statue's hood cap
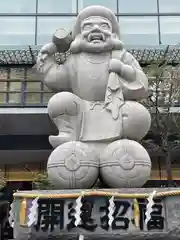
[95,10]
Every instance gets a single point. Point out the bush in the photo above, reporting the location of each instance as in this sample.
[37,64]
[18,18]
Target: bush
[42,182]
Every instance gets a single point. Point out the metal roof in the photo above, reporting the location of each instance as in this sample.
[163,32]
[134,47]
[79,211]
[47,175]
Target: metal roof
[26,55]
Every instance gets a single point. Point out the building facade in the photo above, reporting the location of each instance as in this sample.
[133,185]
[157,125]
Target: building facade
[147,27]
[150,22]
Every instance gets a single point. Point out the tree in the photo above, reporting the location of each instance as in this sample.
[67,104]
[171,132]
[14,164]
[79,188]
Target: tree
[164,96]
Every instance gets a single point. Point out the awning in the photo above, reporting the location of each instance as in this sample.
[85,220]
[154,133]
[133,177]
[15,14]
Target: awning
[26,55]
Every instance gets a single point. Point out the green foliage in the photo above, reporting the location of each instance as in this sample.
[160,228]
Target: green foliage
[2,180]
[42,182]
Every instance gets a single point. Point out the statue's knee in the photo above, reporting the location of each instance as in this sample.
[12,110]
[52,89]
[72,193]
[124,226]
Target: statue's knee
[136,120]
[64,103]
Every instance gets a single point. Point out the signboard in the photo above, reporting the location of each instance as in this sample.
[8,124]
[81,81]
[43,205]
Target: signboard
[59,215]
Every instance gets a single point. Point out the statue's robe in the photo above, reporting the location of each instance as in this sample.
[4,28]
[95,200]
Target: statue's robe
[87,76]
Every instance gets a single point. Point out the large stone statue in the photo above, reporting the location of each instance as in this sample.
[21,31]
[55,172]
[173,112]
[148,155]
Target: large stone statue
[95,107]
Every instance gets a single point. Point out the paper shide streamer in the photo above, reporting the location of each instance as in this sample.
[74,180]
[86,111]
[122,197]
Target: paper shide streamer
[78,209]
[81,237]
[32,217]
[12,215]
[149,208]
[79,204]
[111,209]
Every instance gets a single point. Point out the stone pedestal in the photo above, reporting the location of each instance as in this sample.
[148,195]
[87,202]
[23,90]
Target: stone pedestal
[56,210]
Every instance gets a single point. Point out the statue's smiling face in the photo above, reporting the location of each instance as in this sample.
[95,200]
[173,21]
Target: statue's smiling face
[96,36]
[96,30]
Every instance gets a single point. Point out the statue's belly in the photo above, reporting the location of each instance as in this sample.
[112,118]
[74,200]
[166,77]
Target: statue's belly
[92,79]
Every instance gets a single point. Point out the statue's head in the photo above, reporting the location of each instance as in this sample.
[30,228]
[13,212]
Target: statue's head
[96,30]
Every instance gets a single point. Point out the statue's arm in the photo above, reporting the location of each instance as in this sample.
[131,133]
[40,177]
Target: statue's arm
[55,76]
[136,81]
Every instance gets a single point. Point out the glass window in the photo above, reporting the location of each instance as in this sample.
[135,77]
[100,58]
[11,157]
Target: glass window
[18,6]
[137,6]
[46,97]
[17,73]
[17,30]
[3,74]
[32,74]
[15,86]
[169,6]
[33,98]
[3,86]
[112,5]
[57,6]
[170,31]
[33,87]
[14,98]
[48,25]
[139,30]
[2,98]
[46,89]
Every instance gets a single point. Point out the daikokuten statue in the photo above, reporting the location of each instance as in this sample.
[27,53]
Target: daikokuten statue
[95,107]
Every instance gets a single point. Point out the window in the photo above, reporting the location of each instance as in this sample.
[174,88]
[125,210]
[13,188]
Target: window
[17,30]
[169,6]
[15,86]
[170,31]
[46,97]
[17,74]
[137,6]
[139,30]
[48,25]
[3,84]
[15,80]
[18,6]
[112,5]
[57,6]
[32,94]
[14,98]
[33,87]
[19,86]
[33,98]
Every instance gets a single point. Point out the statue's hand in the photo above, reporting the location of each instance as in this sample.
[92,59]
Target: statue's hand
[49,48]
[46,51]
[116,65]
